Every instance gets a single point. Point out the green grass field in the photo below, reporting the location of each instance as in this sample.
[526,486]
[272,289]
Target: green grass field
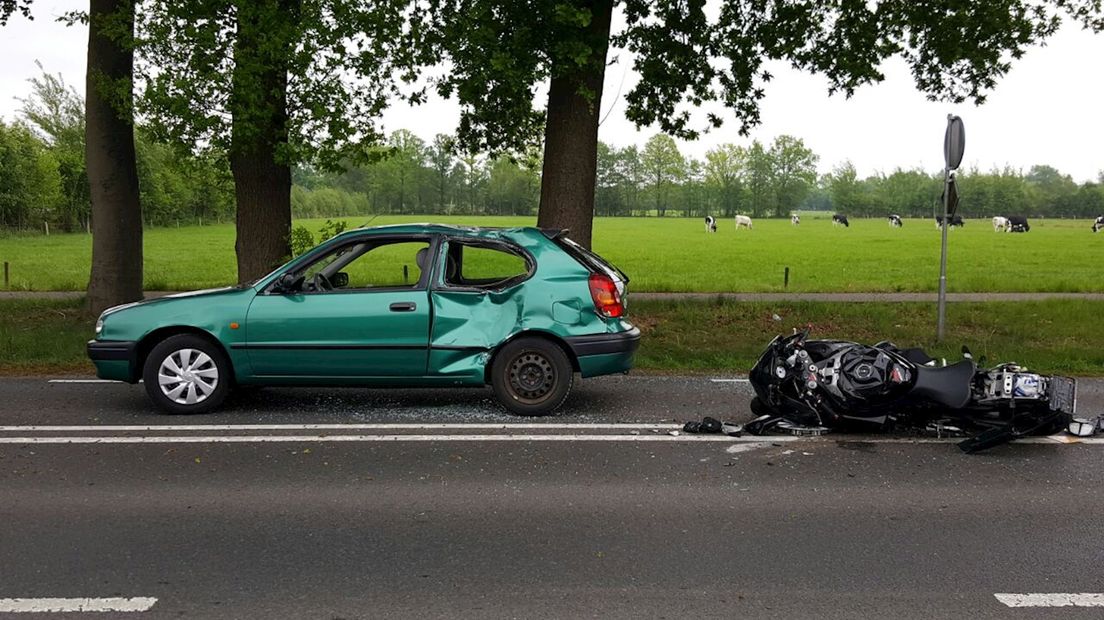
[673,254]
[48,336]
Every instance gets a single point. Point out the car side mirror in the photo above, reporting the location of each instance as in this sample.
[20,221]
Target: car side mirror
[288,283]
[339,279]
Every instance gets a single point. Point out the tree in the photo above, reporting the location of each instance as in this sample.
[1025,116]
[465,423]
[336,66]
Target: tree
[758,176]
[510,189]
[110,157]
[724,167]
[692,181]
[910,193]
[116,274]
[439,156]
[271,83]
[499,51]
[793,173]
[56,111]
[469,169]
[1054,190]
[400,169]
[663,164]
[8,7]
[30,187]
[850,196]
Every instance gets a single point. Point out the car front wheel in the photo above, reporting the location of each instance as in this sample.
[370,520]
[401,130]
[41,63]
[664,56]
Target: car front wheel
[186,374]
[531,376]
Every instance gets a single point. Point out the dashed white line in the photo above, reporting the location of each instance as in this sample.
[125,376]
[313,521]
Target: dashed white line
[69,605]
[1056,599]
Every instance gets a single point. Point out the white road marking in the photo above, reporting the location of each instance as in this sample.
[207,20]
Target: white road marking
[372,438]
[63,605]
[82,381]
[333,427]
[626,434]
[1056,599]
[729,380]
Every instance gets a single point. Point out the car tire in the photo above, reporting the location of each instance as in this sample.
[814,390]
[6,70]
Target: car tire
[187,374]
[531,376]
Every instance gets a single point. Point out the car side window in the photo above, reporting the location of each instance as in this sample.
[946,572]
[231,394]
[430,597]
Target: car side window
[489,266]
[368,265]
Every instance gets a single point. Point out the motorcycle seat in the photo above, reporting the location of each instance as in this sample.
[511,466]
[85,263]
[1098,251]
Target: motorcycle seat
[948,386]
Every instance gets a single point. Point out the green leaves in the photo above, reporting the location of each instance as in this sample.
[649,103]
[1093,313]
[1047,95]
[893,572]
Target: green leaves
[202,63]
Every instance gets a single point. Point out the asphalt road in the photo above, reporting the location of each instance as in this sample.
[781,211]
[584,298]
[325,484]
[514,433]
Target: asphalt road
[414,517]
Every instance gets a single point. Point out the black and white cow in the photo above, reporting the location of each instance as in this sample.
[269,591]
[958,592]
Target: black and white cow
[710,224]
[1018,223]
[795,220]
[895,221]
[1098,225]
[956,220]
[839,219]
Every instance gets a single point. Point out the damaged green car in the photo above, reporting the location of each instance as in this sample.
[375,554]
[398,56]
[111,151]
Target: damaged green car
[519,309]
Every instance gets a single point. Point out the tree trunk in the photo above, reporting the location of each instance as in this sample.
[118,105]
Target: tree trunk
[258,104]
[571,136]
[116,275]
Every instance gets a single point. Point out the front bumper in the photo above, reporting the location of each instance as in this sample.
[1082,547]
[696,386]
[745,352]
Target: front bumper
[604,354]
[114,359]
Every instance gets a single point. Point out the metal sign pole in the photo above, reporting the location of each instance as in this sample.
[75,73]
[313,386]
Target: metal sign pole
[954,143]
[943,256]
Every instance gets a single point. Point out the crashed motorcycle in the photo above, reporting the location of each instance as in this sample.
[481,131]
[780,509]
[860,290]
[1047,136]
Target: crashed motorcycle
[808,387]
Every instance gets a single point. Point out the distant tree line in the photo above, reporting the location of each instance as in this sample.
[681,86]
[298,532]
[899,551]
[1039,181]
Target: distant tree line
[44,177]
[43,181]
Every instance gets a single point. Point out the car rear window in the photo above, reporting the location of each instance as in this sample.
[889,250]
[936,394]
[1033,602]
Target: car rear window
[589,259]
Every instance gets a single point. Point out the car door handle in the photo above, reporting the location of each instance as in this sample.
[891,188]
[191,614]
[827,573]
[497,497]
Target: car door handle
[403,306]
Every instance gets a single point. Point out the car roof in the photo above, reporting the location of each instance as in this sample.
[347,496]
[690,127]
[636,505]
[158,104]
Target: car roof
[484,232]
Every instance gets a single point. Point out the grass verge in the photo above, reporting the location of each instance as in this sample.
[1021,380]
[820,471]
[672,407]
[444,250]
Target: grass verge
[687,337]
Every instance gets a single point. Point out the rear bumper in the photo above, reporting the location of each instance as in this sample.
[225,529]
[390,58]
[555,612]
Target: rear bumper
[604,344]
[114,359]
[604,354]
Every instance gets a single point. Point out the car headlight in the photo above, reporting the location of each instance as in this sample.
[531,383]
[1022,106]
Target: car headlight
[99,325]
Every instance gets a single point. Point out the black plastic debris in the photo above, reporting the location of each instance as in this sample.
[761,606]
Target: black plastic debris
[710,425]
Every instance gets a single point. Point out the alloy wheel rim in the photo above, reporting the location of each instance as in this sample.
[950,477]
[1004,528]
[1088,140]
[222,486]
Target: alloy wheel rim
[531,377]
[188,376]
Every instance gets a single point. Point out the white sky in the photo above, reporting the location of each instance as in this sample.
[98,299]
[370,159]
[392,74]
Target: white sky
[1047,110]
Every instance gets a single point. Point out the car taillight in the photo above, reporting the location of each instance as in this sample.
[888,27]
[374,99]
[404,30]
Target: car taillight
[607,301]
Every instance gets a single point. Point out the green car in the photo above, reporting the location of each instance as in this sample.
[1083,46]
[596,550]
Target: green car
[520,309]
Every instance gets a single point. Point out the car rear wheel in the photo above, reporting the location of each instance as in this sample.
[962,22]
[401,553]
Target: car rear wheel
[187,374]
[531,376]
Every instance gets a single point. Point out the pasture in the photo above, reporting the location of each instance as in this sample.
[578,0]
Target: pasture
[672,254]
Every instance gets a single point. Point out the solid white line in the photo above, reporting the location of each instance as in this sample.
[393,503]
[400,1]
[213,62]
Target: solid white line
[82,381]
[378,438]
[729,380]
[1056,599]
[331,427]
[63,605]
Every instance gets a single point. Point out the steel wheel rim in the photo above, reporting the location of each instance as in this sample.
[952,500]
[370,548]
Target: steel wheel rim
[531,377]
[188,376]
